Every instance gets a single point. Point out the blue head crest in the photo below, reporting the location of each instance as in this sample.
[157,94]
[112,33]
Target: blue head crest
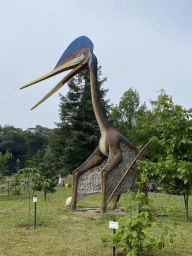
[78,46]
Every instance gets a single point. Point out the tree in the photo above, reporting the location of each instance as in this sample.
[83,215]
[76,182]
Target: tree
[126,112]
[30,163]
[136,123]
[12,139]
[29,175]
[48,173]
[27,143]
[124,115]
[18,165]
[57,138]
[144,131]
[175,167]
[35,139]
[41,170]
[3,160]
[78,133]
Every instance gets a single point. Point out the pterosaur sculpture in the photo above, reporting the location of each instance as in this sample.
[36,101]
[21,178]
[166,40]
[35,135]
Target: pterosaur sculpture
[113,146]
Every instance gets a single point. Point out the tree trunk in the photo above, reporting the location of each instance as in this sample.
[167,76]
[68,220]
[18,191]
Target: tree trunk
[45,194]
[28,212]
[186,200]
[144,189]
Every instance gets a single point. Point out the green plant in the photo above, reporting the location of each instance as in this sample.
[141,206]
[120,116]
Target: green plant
[133,235]
[80,233]
[174,168]
[16,184]
[3,161]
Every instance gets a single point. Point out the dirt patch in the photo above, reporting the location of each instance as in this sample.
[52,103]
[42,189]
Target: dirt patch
[95,212]
[3,210]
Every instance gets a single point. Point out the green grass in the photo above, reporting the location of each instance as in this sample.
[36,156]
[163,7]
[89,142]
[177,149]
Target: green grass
[61,232]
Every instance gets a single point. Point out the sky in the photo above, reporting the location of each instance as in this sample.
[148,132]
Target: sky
[143,44]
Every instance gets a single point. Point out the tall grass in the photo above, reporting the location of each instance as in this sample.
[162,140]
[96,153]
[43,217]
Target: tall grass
[62,232]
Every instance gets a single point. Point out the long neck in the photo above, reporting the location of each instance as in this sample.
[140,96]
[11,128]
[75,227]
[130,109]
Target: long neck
[101,120]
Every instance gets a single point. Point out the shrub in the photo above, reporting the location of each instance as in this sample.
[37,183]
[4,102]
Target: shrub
[132,236]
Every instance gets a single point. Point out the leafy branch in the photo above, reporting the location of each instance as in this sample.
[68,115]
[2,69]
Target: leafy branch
[133,235]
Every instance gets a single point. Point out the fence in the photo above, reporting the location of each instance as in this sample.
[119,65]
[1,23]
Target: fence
[5,187]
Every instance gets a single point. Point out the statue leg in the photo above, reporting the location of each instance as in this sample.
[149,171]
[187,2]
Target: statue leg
[103,192]
[117,157]
[74,192]
[95,159]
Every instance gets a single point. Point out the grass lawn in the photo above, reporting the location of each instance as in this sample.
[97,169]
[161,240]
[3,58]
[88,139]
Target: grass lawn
[61,232]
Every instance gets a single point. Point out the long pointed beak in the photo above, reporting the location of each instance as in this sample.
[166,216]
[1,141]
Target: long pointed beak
[75,64]
[64,67]
[76,70]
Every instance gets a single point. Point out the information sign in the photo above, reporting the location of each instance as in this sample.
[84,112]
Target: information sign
[113,224]
[34,199]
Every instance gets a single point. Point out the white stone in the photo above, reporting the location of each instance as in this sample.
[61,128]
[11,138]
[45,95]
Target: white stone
[69,201]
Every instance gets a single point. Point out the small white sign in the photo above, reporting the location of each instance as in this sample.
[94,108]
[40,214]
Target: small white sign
[113,224]
[34,199]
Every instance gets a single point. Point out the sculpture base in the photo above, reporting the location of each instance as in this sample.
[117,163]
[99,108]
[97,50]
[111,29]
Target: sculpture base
[95,212]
